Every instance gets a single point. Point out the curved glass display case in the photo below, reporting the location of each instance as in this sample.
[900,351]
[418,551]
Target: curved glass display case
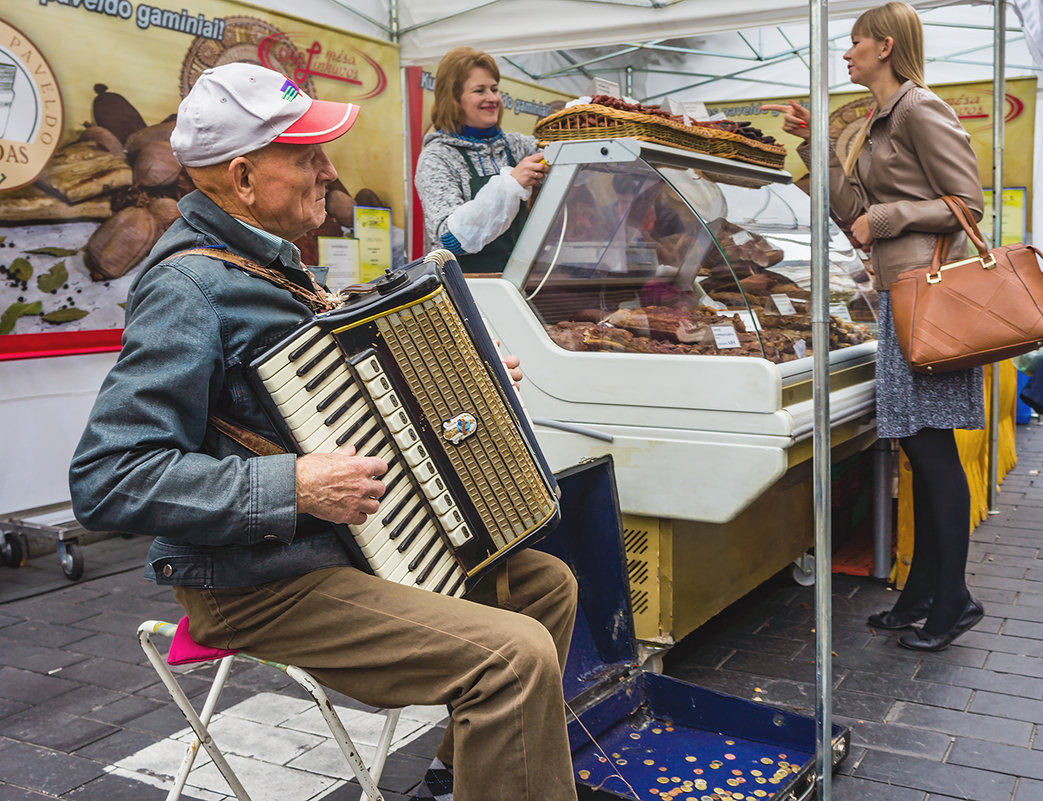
[633,254]
[640,257]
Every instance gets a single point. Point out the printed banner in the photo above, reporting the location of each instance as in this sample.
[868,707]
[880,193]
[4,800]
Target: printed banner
[972,103]
[89,90]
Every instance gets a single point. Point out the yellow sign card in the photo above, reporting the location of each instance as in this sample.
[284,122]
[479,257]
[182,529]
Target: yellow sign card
[373,231]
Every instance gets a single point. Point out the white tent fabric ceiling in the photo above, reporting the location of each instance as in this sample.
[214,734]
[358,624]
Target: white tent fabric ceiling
[669,45]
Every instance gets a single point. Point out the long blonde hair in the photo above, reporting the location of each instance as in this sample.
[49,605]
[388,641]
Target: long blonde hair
[453,71]
[901,22]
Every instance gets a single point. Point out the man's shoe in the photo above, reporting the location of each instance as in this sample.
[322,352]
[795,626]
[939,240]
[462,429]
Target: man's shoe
[917,640]
[900,620]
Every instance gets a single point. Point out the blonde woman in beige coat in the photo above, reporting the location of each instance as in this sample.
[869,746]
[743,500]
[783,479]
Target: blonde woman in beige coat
[911,151]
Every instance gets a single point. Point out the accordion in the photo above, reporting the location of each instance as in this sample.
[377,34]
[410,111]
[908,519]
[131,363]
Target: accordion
[405,370]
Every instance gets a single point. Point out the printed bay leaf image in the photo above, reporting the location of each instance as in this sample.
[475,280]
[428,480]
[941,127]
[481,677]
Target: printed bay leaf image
[16,310]
[59,316]
[49,251]
[53,279]
[21,269]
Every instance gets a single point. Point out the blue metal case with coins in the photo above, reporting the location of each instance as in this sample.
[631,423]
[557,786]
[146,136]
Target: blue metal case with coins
[641,735]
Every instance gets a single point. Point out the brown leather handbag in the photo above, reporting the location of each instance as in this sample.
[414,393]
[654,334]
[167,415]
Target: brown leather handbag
[972,311]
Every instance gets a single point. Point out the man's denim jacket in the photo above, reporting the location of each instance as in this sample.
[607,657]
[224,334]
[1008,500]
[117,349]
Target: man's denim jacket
[148,463]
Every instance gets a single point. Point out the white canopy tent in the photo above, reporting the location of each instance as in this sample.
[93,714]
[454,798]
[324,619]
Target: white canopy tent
[654,47]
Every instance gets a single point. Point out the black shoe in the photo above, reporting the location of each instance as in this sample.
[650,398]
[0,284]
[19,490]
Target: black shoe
[917,640]
[900,620]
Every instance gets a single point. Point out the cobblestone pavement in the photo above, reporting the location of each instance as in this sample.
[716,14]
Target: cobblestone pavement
[83,716]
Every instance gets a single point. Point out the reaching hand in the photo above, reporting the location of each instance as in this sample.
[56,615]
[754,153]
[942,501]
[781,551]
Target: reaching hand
[340,487]
[531,170]
[796,120]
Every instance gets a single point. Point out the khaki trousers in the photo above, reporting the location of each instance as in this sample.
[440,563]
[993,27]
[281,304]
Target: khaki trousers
[388,645]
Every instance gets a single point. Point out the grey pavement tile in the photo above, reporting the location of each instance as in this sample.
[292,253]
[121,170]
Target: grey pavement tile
[964,724]
[746,662]
[982,550]
[976,753]
[852,788]
[1023,628]
[1001,643]
[50,634]
[117,788]
[935,777]
[916,690]
[928,745]
[1032,599]
[9,792]
[119,745]
[989,568]
[38,658]
[1028,790]
[56,730]
[112,622]
[1018,665]
[126,708]
[863,706]
[43,770]
[110,646]
[81,701]
[1000,682]
[46,609]
[9,707]
[32,688]
[162,722]
[1013,610]
[112,674]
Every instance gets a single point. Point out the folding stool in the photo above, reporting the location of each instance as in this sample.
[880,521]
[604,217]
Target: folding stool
[184,650]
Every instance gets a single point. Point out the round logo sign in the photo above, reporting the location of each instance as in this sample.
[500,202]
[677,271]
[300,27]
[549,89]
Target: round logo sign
[31,115]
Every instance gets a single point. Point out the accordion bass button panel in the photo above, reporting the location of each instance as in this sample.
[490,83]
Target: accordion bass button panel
[328,406]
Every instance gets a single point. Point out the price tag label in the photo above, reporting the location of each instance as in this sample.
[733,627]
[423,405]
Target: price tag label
[783,304]
[800,347]
[749,319]
[840,311]
[725,337]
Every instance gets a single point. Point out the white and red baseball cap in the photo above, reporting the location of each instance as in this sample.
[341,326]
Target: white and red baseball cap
[237,108]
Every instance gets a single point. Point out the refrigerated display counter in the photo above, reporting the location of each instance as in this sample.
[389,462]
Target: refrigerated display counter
[660,302]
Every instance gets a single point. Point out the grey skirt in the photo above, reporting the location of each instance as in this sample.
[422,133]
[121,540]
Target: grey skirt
[908,401]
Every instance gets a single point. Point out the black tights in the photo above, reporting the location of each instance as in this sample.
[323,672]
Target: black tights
[941,517]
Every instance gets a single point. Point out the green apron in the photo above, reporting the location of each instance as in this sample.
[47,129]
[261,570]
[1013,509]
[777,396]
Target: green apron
[493,257]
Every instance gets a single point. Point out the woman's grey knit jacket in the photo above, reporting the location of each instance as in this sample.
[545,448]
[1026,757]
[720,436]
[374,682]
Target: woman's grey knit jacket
[452,218]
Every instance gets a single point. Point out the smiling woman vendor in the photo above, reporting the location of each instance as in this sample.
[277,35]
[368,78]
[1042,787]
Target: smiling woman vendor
[472,178]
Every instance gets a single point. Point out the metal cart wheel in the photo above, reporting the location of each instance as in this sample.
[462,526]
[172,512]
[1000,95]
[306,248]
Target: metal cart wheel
[803,570]
[12,553]
[71,558]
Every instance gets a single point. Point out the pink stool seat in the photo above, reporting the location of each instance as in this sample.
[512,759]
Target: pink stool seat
[184,650]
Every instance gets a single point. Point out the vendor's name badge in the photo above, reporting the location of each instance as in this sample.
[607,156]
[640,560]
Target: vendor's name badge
[31,115]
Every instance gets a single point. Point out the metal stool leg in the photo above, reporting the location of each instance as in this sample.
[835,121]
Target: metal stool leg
[367,778]
[197,722]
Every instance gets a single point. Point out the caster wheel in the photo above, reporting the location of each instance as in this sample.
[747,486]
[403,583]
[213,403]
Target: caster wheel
[72,562]
[803,571]
[12,553]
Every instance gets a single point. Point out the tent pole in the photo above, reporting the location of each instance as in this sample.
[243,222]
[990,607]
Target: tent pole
[820,392]
[999,113]
[395,34]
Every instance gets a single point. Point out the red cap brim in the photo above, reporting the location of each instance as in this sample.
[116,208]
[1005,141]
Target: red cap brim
[322,122]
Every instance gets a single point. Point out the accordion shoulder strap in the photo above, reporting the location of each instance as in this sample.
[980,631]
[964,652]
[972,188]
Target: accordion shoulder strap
[316,298]
[253,442]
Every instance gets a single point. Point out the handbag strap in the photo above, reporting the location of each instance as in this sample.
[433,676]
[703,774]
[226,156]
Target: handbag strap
[966,220]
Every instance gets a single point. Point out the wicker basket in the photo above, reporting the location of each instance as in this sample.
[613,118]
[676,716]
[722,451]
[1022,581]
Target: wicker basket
[601,122]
